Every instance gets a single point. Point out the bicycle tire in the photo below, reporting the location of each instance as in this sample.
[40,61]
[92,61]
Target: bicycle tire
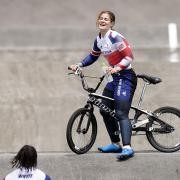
[82,115]
[165,142]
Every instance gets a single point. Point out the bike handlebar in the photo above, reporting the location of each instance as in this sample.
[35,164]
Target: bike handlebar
[78,70]
[79,73]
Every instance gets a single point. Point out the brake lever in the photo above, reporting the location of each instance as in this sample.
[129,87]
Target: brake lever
[78,71]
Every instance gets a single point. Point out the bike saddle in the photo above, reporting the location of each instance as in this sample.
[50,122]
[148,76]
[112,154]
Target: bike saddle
[150,79]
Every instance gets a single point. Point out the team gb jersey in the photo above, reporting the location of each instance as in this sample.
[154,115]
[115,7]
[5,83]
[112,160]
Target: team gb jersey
[114,47]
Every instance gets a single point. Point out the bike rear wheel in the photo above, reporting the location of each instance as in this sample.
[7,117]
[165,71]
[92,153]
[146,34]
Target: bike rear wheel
[81,131]
[165,141]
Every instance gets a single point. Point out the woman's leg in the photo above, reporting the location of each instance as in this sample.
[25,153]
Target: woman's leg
[110,123]
[123,95]
[122,109]
[124,88]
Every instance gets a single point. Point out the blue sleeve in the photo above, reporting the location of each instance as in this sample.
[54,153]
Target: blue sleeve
[95,47]
[93,56]
[88,60]
[47,177]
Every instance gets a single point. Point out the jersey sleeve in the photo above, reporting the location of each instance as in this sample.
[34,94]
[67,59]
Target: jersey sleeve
[125,63]
[47,177]
[125,51]
[93,55]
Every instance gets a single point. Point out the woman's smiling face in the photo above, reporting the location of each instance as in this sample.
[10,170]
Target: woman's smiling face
[104,22]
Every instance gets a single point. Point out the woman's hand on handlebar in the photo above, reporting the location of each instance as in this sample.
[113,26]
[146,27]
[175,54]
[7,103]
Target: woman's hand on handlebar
[76,69]
[73,67]
[112,70]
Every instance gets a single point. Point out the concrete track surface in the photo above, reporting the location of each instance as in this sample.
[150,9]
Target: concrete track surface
[69,25]
[97,166]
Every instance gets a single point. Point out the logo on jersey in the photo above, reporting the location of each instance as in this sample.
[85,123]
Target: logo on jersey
[122,46]
[124,93]
[119,88]
[106,52]
[25,176]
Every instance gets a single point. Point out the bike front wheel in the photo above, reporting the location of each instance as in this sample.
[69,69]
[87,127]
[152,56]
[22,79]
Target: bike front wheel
[166,140]
[81,131]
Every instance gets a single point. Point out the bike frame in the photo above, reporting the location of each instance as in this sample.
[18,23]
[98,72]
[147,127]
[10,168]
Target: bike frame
[94,99]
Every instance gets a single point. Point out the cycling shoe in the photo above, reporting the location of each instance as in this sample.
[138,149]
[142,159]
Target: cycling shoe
[111,148]
[125,154]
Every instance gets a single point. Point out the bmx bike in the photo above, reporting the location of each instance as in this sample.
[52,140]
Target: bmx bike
[161,127]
